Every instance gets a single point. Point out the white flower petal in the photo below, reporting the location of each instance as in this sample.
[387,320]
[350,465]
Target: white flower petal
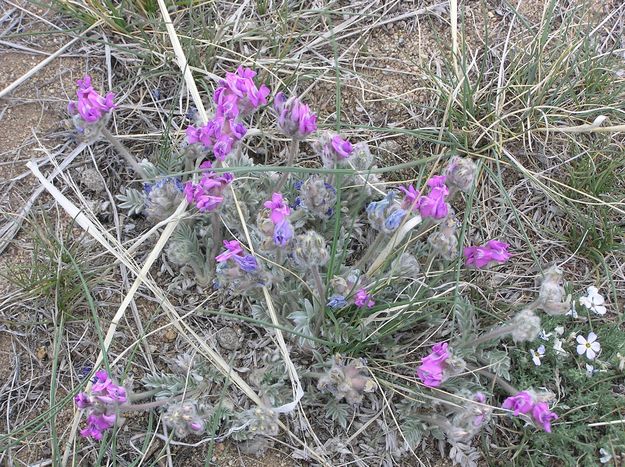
[581,348]
[598,300]
[559,330]
[590,354]
[536,361]
[541,350]
[585,301]
[596,347]
[600,310]
[592,337]
[592,290]
[580,340]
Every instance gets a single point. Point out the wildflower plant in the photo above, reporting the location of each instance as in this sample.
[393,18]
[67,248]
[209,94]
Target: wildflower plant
[338,253]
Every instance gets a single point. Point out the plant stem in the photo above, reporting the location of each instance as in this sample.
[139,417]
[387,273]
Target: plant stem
[496,333]
[321,292]
[505,386]
[123,150]
[290,158]
[142,395]
[371,250]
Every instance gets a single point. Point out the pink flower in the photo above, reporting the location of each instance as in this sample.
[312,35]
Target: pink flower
[411,197]
[207,194]
[481,415]
[481,256]
[543,416]
[520,403]
[238,95]
[279,209]
[105,397]
[431,370]
[342,147]
[233,248]
[363,298]
[294,117]
[434,204]
[91,106]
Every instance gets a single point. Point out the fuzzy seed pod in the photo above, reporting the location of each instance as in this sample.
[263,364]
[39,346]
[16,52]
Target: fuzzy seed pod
[525,326]
[317,197]
[162,198]
[347,381]
[460,174]
[406,266]
[310,250]
[444,241]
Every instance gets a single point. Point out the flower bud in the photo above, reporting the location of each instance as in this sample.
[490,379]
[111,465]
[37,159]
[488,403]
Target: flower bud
[184,419]
[406,265]
[347,381]
[317,197]
[162,198]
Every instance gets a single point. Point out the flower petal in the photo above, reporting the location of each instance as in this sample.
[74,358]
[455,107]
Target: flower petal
[592,290]
[592,337]
[580,339]
[600,310]
[581,348]
[590,354]
[596,346]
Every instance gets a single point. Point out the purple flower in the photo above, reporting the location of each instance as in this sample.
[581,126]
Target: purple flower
[233,248]
[521,403]
[218,135]
[91,106]
[97,424]
[543,416]
[394,219]
[363,299]
[237,95]
[282,232]
[431,370]
[207,194]
[246,263]
[342,147]
[105,397]
[294,117]
[82,400]
[337,301]
[279,208]
[479,418]
[434,204]
[481,256]
[411,197]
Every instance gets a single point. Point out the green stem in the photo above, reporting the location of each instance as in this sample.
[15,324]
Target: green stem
[505,386]
[290,159]
[142,395]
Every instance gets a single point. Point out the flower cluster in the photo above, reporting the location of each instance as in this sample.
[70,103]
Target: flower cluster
[347,381]
[207,194]
[280,211]
[386,215]
[333,149]
[317,197]
[90,106]
[363,299]
[493,251]
[235,98]
[434,204]
[234,251]
[294,117]
[526,403]
[431,372]
[162,197]
[102,405]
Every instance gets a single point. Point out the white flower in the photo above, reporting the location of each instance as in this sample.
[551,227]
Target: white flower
[557,346]
[572,312]
[594,301]
[537,354]
[590,346]
[605,456]
[621,361]
[544,336]
[590,370]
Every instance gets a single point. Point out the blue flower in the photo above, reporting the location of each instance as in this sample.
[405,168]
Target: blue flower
[247,263]
[393,221]
[282,233]
[337,301]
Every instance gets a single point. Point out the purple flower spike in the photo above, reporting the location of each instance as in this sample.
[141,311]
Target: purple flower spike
[280,210]
[431,370]
[294,117]
[481,256]
[411,197]
[282,233]
[218,135]
[237,95]
[342,147]
[434,204]
[233,248]
[363,298]
[521,403]
[207,194]
[90,105]
[543,416]
[82,400]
